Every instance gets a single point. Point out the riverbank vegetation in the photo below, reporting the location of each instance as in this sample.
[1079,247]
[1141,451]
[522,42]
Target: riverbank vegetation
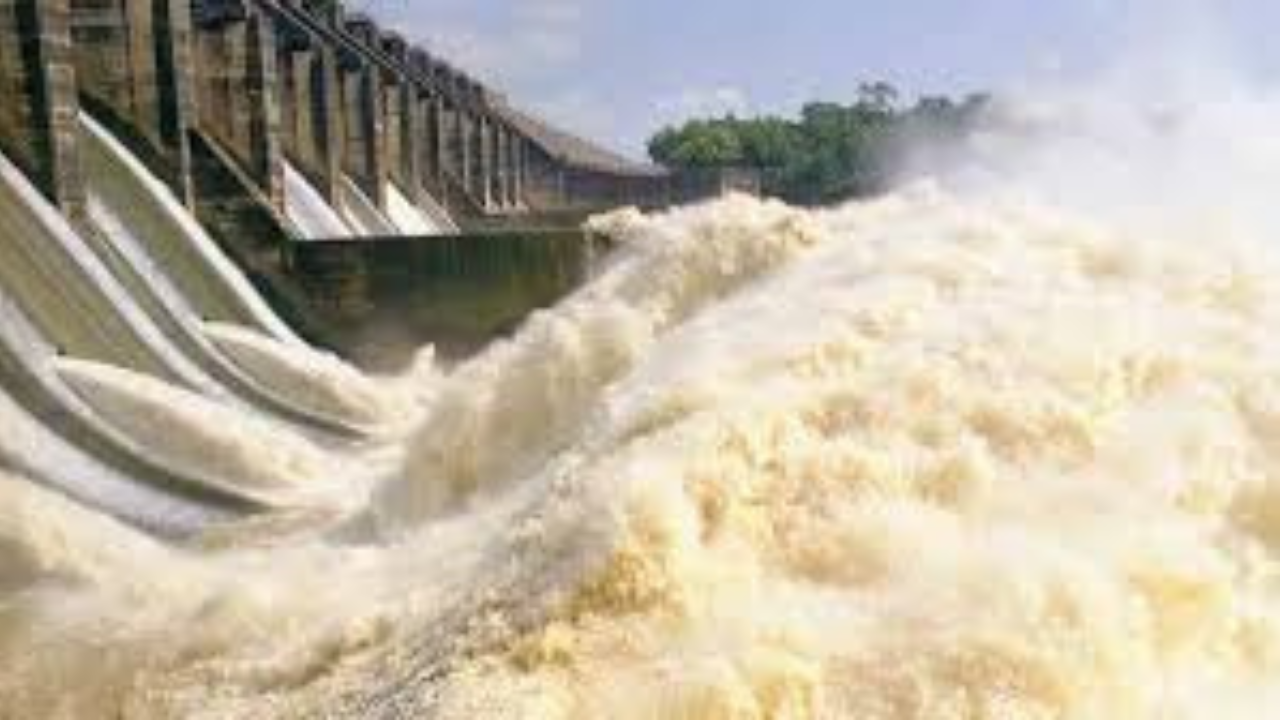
[830,152]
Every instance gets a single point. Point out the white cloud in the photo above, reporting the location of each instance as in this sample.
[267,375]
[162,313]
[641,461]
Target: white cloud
[581,111]
[511,45]
[527,49]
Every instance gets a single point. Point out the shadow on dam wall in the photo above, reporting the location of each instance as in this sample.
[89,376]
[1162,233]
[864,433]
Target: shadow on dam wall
[386,297]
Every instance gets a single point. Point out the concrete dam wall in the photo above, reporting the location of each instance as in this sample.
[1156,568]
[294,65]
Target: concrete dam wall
[282,123]
[190,189]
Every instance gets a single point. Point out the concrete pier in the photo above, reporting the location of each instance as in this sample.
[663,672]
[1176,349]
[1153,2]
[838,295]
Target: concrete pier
[38,103]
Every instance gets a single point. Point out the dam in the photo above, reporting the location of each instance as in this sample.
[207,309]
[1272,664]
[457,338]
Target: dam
[283,126]
[177,173]
[333,385]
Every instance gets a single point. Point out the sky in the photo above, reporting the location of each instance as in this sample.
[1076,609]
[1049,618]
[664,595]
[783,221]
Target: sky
[617,70]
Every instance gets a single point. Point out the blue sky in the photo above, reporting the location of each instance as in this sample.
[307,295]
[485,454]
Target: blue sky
[617,69]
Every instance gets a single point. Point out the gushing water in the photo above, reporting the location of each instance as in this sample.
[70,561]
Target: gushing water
[230,448]
[939,455]
[319,382]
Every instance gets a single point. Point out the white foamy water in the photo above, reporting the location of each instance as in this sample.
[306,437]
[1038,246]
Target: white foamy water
[932,456]
[361,212]
[312,380]
[408,217]
[1003,452]
[45,538]
[312,216]
[226,447]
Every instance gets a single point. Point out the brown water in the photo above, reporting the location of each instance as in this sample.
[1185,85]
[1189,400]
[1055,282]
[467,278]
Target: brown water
[926,457]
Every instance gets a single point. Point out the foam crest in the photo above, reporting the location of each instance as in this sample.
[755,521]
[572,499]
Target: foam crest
[229,447]
[949,464]
[316,381]
[501,415]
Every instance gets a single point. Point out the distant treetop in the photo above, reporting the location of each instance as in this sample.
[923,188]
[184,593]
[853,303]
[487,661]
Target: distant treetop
[832,151]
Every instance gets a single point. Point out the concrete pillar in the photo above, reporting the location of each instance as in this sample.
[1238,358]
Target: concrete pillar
[175,81]
[287,76]
[464,147]
[506,160]
[392,113]
[263,108]
[213,74]
[100,49]
[140,75]
[353,141]
[38,107]
[415,138]
[133,65]
[374,131]
[403,141]
[441,164]
[482,181]
[513,169]
[520,160]
[236,131]
[305,144]
[500,167]
[327,93]
[509,168]
[492,163]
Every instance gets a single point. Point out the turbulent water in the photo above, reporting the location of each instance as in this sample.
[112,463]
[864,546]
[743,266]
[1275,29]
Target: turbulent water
[936,455]
[318,382]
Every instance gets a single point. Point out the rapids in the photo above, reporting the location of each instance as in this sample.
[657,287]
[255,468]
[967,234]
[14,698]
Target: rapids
[931,456]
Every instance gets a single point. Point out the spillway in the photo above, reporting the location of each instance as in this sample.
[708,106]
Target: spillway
[311,215]
[58,301]
[145,217]
[408,218]
[126,486]
[361,213]
[963,451]
[70,296]
[179,275]
[135,294]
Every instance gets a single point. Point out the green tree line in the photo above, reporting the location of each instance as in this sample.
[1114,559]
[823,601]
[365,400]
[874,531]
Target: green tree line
[831,152]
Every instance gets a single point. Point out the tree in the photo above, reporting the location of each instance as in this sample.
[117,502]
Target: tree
[699,144]
[831,151]
[879,97]
[768,142]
